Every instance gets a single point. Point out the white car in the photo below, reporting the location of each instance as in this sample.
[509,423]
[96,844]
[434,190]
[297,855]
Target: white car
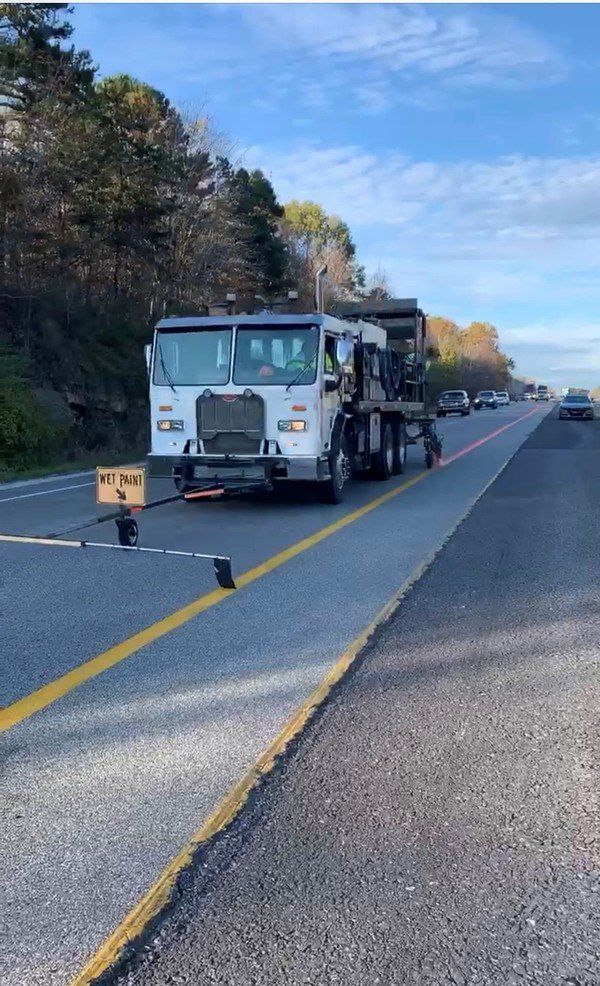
[502,398]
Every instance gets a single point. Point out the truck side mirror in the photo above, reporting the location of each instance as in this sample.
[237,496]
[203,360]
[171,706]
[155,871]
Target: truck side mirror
[344,354]
[148,356]
[332,384]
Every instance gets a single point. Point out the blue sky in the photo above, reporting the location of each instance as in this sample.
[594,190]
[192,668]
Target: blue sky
[460,142]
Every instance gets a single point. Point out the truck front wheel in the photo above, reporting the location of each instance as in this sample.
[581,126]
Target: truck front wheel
[332,489]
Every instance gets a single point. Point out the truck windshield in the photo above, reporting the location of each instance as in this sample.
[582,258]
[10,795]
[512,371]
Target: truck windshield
[275,355]
[199,356]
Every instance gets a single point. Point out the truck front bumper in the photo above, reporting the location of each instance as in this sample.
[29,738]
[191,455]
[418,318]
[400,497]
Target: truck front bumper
[232,468]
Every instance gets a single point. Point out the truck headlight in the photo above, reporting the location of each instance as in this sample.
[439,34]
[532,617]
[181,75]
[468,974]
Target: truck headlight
[170,425]
[292,425]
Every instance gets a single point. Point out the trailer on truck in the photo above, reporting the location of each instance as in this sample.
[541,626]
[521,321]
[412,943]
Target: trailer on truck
[267,398]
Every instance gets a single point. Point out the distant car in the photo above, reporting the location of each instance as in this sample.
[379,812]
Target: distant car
[453,402]
[576,406]
[485,398]
[502,398]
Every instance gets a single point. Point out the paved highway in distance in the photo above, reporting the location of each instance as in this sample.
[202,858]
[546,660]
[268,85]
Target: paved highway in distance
[135,694]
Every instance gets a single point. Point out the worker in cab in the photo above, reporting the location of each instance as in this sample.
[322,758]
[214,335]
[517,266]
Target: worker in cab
[304,356]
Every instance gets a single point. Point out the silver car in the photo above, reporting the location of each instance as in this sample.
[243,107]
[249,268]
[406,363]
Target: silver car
[576,406]
[453,402]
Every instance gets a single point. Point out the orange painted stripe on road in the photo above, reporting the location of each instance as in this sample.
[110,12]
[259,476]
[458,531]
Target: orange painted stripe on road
[486,438]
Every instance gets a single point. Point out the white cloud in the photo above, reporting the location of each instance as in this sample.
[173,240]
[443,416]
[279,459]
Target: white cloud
[525,199]
[475,47]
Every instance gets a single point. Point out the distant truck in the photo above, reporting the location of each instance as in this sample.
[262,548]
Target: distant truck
[262,398]
[542,394]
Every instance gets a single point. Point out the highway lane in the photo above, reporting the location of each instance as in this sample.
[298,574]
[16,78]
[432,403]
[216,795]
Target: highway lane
[112,596]
[101,788]
[438,823]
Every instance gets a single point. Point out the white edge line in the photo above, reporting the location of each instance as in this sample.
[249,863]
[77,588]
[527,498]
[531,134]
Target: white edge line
[60,489]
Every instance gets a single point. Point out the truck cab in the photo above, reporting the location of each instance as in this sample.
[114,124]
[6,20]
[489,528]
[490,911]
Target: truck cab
[249,395]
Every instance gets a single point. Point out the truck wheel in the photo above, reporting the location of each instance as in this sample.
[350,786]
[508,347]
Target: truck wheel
[332,489]
[127,531]
[383,461]
[400,449]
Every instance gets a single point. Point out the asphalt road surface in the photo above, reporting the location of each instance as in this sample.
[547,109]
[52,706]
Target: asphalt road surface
[105,779]
[438,823]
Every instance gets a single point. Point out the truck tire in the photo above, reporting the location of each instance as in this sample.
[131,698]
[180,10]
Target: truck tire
[127,531]
[400,449]
[333,489]
[382,463]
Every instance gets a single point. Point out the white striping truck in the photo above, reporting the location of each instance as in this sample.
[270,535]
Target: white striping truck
[264,398]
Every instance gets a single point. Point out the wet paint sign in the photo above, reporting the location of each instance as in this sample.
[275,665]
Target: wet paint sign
[123,485]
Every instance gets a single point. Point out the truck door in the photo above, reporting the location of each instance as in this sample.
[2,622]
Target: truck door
[330,399]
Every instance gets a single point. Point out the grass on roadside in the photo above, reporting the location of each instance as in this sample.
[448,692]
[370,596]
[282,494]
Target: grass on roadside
[80,464]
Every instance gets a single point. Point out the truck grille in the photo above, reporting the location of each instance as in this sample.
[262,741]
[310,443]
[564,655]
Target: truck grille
[230,424]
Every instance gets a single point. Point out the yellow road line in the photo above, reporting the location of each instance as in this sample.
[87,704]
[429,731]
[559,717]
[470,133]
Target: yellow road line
[157,897]
[47,694]
[24,539]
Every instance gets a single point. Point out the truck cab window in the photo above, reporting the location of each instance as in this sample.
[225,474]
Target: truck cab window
[275,355]
[329,354]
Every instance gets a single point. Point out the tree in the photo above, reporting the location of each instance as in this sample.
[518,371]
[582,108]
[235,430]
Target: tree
[315,238]
[468,358]
[259,212]
[143,157]
[33,65]
[378,286]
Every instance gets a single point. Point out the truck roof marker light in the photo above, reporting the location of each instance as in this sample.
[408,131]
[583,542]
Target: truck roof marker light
[165,407]
[298,407]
